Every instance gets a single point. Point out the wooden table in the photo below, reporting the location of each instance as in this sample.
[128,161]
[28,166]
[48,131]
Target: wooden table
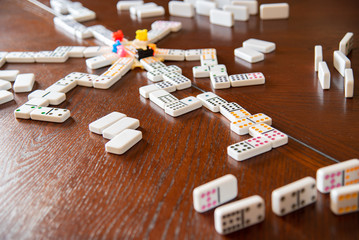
[57,181]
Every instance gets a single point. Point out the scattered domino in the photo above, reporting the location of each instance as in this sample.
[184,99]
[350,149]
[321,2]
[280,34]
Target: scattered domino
[157,75]
[165,85]
[200,71]
[242,125]
[5,96]
[249,148]
[174,26]
[20,57]
[5,85]
[170,54]
[55,98]
[222,18]
[151,12]
[162,98]
[124,141]
[232,111]
[2,58]
[25,110]
[274,11]
[249,55]
[275,137]
[64,85]
[180,9]
[251,4]
[247,79]
[57,115]
[183,106]
[345,199]
[239,214]
[259,45]
[240,13]
[324,75]
[349,83]
[318,56]
[24,82]
[101,61]
[178,80]
[215,193]
[9,75]
[124,123]
[204,7]
[341,62]
[100,124]
[220,80]
[125,5]
[211,101]
[346,44]
[294,196]
[337,175]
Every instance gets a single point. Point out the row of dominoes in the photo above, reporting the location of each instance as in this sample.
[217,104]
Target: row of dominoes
[120,129]
[341,63]
[75,10]
[253,49]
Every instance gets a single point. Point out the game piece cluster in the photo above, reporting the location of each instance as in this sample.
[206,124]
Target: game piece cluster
[340,179]
[120,129]
[253,49]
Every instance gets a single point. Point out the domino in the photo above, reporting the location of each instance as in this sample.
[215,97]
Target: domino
[242,125]
[151,63]
[20,57]
[25,110]
[247,79]
[318,56]
[249,55]
[24,82]
[275,137]
[59,6]
[73,27]
[134,9]
[82,15]
[57,115]
[240,13]
[9,75]
[337,175]
[346,44]
[151,12]
[219,80]
[178,80]
[211,101]
[215,193]
[294,196]
[102,34]
[76,51]
[102,123]
[124,141]
[86,80]
[345,199]
[209,60]
[204,7]
[125,5]
[64,85]
[174,26]
[195,54]
[324,75]
[55,98]
[274,11]
[249,148]
[96,51]
[155,35]
[259,45]
[161,98]
[122,124]
[233,112]
[60,54]
[5,96]
[200,71]
[157,75]
[180,9]
[170,54]
[74,75]
[165,85]
[2,58]
[252,5]
[5,85]
[221,68]
[239,214]
[101,61]
[348,83]
[183,106]
[341,62]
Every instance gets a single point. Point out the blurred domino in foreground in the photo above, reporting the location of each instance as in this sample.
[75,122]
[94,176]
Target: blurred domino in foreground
[349,83]
[249,148]
[294,196]
[259,45]
[5,96]
[249,55]
[5,85]
[275,137]
[341,62]
[337,175]
[2,58]
[318,56]
[274,11]
[345,199]
[211,101]
[215,193]
[9,75]
[346,44]
[240,214]
[102,123]
[123,141]
[48,114]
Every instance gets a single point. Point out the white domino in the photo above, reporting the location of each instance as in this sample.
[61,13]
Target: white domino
[161,98]
[76,51]
[240,13]
[151,12]
[252,5]
[60,54]
[57,115]
[55,98]
[165,85]
[220,80]
[239,214]
[64,85]
[122,124]
[346,44]
[294,196]
[25,110]
[9,75]
[72,27]
[157,75]
[242,125]
[155,35]
[24,82]
[318,56]
[345,199]
[181,9]
[275,137]
[349,83]
[102,34]
[338,175]
[211,101]
[259,45]
[125,5]
[135,8]
[170,54]
[86,80]
[183,106]
[2,58]
[102,60]
[221,68]
[215,193]
[249,148]
[209,59]
[102,123]
[341,62]
[20,57]
[200,71]
[195,54]
[94,51]
[249,55]
[233,111]
[247,79]
[123,141]
[324,75]
[274,11]
[178,80]
[5,85]
[152,63]
[204,7]
[174,26]
[5,96]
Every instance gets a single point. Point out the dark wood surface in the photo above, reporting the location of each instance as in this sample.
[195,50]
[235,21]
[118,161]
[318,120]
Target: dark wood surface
[57,181]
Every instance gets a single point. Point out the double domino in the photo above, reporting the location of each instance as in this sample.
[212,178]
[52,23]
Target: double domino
[242,125]
[275,137]
[345,199]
